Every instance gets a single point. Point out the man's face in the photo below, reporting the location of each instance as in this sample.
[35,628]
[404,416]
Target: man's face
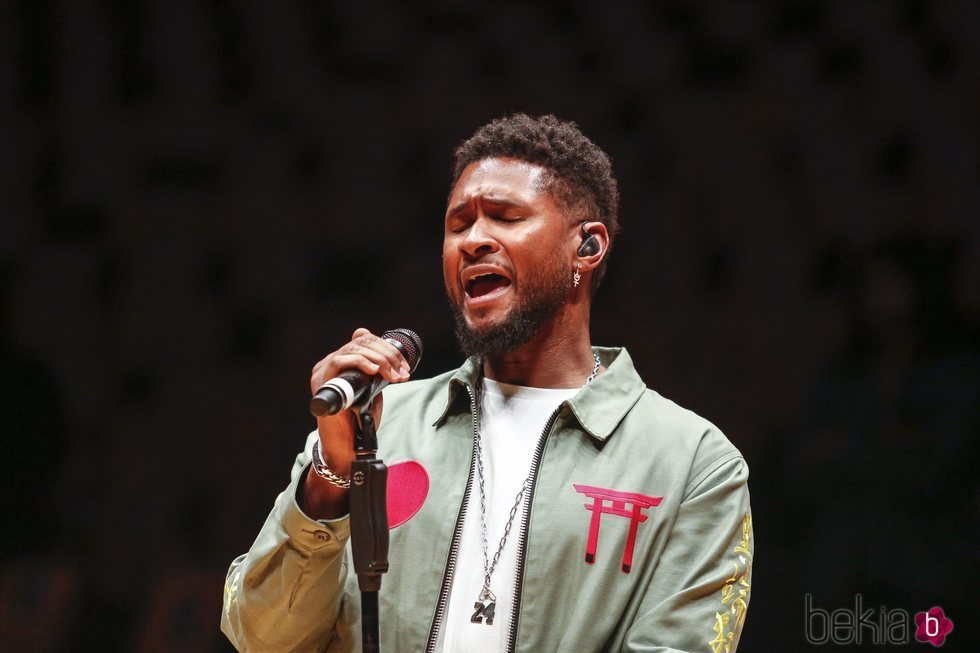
[506,255]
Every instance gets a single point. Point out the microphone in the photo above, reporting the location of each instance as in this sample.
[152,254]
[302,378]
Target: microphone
[340,392]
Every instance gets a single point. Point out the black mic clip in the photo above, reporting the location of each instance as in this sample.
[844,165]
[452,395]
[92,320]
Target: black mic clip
[368,501]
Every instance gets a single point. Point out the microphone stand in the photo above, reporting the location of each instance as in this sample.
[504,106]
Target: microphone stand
[368,520]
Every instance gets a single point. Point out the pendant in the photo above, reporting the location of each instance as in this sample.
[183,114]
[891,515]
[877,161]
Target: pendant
[484,608]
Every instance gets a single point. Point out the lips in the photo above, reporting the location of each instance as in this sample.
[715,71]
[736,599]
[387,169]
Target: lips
[485,284]
[484,281]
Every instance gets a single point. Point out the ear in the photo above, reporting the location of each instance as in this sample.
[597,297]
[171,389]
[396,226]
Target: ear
[593,246]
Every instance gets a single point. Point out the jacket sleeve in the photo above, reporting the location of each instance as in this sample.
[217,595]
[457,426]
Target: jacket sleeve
[287,592]
[699,593]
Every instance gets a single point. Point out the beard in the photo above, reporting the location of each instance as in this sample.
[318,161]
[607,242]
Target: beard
[540,297]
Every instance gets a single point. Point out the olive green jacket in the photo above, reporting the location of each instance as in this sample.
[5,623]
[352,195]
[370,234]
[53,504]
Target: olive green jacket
[638,536]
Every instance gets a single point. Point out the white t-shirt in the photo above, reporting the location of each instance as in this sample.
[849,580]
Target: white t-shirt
[511,423]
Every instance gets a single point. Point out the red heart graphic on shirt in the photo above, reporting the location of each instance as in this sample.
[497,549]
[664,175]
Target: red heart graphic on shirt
[408,485]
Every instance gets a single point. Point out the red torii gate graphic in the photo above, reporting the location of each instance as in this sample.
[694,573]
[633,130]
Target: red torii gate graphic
[638,503]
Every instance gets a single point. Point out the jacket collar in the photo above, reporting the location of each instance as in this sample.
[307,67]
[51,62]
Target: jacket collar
[598,407]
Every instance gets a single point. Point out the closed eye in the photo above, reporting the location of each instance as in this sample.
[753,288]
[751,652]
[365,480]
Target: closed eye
[458,224]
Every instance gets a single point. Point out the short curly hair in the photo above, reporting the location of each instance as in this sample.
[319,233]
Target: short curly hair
[582,180]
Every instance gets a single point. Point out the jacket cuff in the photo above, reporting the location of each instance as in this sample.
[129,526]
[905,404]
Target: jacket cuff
[326,535]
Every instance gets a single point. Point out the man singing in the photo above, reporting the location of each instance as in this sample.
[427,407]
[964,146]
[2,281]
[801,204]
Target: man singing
[568,507]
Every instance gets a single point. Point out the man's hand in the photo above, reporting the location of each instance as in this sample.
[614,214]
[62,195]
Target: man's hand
[371,355]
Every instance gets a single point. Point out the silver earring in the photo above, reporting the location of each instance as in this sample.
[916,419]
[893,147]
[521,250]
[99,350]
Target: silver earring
[577,276]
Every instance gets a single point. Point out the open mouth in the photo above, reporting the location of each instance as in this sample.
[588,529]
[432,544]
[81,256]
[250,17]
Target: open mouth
[486,284]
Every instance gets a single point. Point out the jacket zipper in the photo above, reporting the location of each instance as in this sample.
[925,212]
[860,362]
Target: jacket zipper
[447,577]
[525,522]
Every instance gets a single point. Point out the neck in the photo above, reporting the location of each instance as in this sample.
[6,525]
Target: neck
[559,356]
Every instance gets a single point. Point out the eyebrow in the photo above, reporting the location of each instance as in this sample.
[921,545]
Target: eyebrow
[498,201]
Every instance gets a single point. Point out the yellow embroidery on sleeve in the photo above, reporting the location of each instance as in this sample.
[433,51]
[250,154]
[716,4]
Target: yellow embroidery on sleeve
[734,594]
[231,591]
[722,643]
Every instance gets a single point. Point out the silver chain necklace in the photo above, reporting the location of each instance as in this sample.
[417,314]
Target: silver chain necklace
[486,605]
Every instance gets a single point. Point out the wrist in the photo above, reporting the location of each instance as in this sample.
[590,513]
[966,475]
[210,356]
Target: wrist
[329,472]
[319,499]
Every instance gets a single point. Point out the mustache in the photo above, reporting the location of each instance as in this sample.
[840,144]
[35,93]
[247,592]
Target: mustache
[497,264]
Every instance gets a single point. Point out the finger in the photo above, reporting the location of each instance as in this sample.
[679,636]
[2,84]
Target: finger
[387,370]
[358,349]
[320,364]
[341,362]
[395,361]
[366,361]
[318,375]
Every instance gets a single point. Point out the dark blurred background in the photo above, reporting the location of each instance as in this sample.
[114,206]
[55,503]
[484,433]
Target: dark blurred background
[201,199]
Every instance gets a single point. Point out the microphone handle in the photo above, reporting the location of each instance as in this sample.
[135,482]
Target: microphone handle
[339,393]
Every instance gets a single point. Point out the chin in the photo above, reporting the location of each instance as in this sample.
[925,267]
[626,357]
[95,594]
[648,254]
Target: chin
[484,325]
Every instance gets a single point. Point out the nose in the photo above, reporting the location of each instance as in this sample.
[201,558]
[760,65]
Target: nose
[478,240]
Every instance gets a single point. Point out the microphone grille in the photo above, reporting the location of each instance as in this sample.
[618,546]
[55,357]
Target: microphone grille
[410,342]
